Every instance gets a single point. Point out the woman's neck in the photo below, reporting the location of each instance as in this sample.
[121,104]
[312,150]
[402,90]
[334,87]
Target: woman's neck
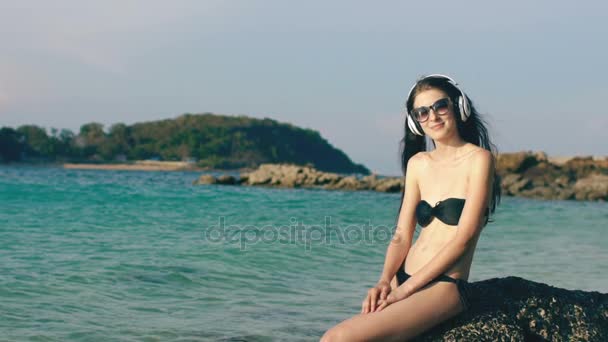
[448,149]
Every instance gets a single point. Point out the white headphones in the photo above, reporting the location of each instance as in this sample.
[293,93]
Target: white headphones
[463,104]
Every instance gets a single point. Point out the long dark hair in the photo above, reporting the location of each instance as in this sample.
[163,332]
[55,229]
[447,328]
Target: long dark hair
[473,131]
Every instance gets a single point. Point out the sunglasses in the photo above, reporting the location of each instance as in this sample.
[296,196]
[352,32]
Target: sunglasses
[440,107]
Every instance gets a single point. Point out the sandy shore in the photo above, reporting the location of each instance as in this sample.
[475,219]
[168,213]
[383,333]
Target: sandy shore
[140,165]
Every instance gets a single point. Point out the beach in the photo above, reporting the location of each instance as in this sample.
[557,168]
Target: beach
[138,165]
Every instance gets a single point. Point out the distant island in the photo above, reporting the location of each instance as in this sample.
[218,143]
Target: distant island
[207,141]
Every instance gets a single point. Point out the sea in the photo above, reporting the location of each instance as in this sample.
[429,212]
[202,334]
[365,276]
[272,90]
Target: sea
[92,255]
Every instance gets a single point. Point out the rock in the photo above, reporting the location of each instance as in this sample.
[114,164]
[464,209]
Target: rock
[205,179]
[516,309]
[527,174]
[327,178]
[508,180]
[540,156]
[565,194]
[370,181]
[581,167]
[520,185]
[260,176]
[562,181]
[226,180]
[547,181]
[389,185]
[593,187]
[544,174]
[495,326]
[516,162]
[347,183]
[291,176]
[243,178]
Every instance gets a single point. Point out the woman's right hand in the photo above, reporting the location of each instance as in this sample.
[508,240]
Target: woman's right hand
[376,293]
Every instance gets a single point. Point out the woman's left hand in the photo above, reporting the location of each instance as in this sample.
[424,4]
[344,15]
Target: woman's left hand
[396,295]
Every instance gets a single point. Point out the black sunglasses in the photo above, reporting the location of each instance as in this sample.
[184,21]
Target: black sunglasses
[440,107]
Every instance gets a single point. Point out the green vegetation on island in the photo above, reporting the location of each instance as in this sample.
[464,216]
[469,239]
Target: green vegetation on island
[209,140]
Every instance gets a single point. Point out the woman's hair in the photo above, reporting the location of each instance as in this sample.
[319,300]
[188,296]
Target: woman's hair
[473,130]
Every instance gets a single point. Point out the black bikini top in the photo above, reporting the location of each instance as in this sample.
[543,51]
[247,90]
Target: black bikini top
[448,211]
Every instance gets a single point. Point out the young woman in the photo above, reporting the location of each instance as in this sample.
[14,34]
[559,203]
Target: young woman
[450,191]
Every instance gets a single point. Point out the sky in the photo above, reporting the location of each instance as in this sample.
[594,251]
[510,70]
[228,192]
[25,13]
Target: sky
[534,69]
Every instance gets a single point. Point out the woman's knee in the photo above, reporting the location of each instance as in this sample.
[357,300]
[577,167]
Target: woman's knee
[337,333]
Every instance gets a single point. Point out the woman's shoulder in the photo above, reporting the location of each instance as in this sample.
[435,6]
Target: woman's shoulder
[481,160]
[417,159]
[416,163]
[480,154]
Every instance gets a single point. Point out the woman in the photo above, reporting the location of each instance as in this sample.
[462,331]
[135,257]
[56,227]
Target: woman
[450,191]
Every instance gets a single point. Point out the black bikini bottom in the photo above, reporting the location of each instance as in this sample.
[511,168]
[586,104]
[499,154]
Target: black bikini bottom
[463,285]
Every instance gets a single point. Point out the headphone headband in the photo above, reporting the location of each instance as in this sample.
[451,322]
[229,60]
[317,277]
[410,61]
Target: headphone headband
[463,103]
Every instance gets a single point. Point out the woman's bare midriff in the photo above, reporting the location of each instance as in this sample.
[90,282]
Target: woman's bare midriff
[430,242]
[438,182]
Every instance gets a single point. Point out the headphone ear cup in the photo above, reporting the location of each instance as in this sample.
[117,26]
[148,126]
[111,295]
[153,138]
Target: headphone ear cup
[461,108]
[414,126]
[463,105]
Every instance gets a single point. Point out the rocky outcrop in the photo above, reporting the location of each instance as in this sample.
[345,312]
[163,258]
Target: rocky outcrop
[533,175]
[525,174]
[519,161]
[516,309]
[205,179]
[295,176]
[593,187]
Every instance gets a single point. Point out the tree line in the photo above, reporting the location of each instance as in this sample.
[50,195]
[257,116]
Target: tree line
[209,140]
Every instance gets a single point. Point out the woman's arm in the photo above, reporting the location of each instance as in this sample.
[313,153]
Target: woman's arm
[469,225]
[402,240]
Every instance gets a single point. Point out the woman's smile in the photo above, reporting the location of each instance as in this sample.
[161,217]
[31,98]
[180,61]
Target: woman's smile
[437,126]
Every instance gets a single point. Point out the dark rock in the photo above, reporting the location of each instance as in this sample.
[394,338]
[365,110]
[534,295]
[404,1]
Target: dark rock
[492,326]
[389,185]
[243,178]
[226,180]
[513,184]
[517,162]
[516,309]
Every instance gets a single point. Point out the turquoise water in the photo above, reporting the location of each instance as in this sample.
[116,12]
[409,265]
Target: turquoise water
[145,256]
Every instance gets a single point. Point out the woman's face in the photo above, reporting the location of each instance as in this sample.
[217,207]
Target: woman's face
[437,126]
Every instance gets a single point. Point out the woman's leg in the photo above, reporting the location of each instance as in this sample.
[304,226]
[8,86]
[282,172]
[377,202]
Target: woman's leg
[402,320]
